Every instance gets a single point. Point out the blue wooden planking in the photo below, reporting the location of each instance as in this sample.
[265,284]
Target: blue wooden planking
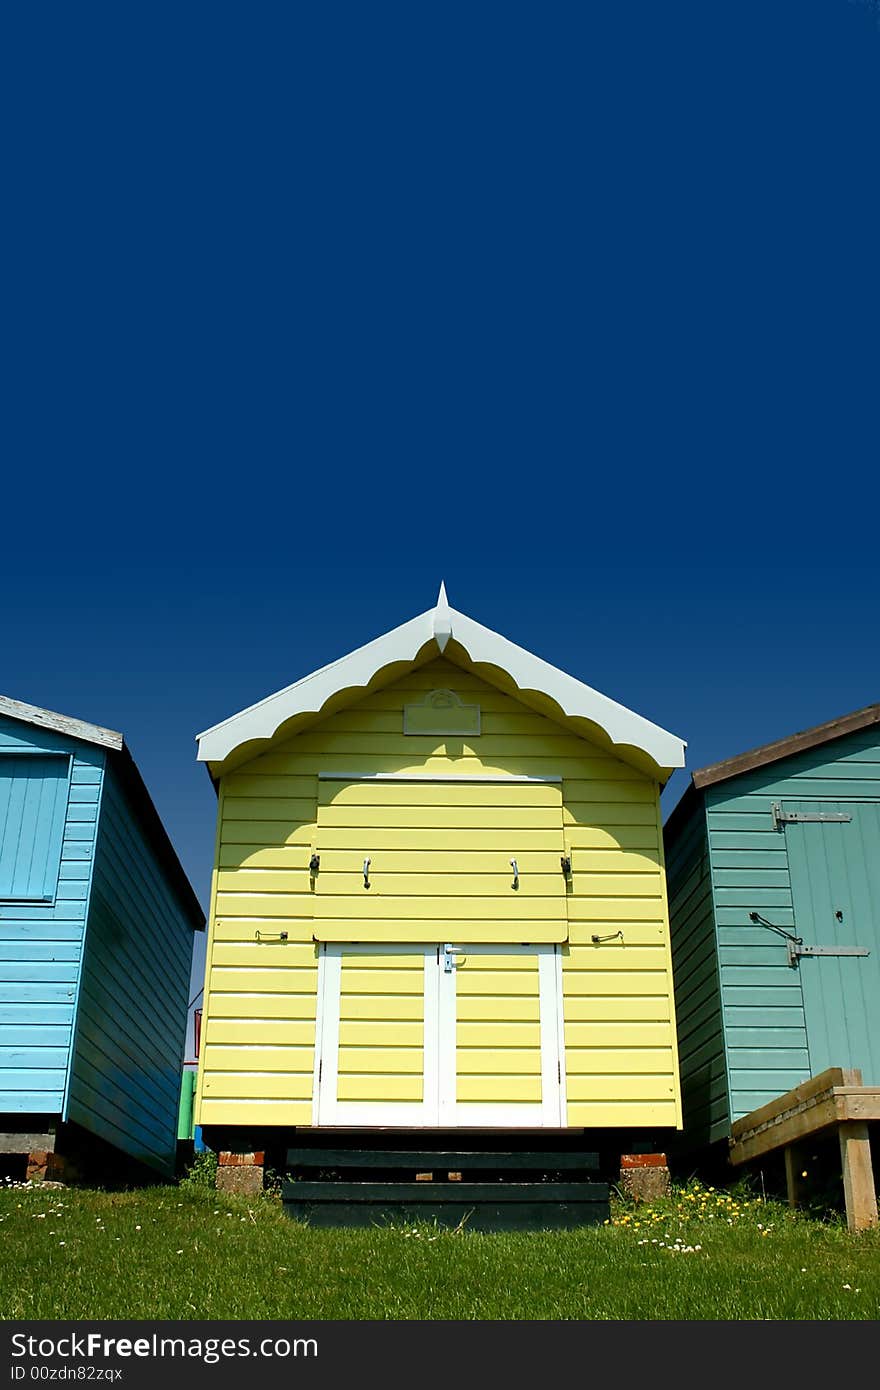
[22,1014]
[33,1058]
[131,1023]
[33,797]
[33,950]
[41,942]
[30,1102]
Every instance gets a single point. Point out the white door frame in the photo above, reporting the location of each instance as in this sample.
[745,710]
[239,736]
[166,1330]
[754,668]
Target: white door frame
[438,1106]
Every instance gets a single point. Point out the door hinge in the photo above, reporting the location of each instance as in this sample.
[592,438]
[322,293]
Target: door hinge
[796,949]
[559,1072]
[320,1069]
[781,817]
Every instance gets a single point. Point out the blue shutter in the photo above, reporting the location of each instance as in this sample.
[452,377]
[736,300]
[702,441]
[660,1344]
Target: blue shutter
[33,804]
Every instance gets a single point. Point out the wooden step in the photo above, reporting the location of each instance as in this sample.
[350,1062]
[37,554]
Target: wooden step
[440,1161]
[495,1206]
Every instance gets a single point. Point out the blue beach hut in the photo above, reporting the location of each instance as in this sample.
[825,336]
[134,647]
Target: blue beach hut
[96,924]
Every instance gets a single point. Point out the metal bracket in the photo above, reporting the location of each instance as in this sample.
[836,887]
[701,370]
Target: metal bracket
[796,949]
[781,817]
[448,952]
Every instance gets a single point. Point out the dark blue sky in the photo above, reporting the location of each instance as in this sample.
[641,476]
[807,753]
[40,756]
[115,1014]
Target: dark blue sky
[306,308]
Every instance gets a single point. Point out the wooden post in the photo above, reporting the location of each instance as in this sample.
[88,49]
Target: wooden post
[792,1175]
[858,1175]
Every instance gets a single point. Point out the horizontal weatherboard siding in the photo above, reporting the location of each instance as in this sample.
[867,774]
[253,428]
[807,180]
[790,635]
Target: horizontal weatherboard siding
[48,823]
[131,1020]
[440,854]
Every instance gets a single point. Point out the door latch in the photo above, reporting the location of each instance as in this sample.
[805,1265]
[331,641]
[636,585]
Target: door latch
[448,952]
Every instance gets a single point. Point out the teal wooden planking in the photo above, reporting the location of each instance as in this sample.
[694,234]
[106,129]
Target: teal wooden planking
[695,980]
[836,888]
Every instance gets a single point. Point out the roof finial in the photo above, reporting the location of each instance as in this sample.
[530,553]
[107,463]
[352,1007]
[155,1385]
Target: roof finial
[442,619]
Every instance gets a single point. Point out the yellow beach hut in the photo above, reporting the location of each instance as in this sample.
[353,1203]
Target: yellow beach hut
[438,903]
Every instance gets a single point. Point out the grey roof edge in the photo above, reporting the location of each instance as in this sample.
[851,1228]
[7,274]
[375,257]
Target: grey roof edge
[134,784]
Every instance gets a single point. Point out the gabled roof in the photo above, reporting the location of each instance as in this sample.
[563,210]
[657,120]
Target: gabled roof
[468,644]
[131,779]
[784,747]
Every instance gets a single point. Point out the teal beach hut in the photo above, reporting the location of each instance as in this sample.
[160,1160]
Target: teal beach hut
[773,871]
[96,932]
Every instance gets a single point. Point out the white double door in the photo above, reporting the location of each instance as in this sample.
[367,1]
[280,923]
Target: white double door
[439,1035]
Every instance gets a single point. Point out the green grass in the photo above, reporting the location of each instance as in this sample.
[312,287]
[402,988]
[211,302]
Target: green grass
[186,1253]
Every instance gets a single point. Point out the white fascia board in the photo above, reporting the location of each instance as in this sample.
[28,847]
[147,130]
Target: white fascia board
[260,722]
[575,699]
[309,695]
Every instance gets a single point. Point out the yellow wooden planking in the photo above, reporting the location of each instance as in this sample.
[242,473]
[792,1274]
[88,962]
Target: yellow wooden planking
[457,818]
[286,954]
[494,1088]
[247,1085]
[635,1033]
[502,982]
[368,906]
[430,931]
[581,935]
[588,835]
[361,1032]
[327,743]
[255,1112]
[299,949]
[626,982]
[609,956]
[254,784]
[459,759]
[287,809]
[498,1061]
[615,861]
[379,1009]
[253,1007]
[355,1059]
[264,905]
[363,981]
[622,1114]
[383,884]
[251,979]
[426,793]
[268,857]
[427,839]
[619,1008]
[503,1033]
[619,1087]
[503,1008]
[383,960]
[379,1087]
[260,833]
[619,1061]
[607,815]
[446,863]
[612,831]
[258,1057]
[614,885]
[267,1031]
[616,911]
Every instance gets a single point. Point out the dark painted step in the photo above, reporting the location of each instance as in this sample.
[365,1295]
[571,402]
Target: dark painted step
[497,1206]
[441,1161]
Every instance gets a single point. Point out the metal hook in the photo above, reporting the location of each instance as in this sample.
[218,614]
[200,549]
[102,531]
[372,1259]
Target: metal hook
[513,865]
[612,936]
[366,873]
